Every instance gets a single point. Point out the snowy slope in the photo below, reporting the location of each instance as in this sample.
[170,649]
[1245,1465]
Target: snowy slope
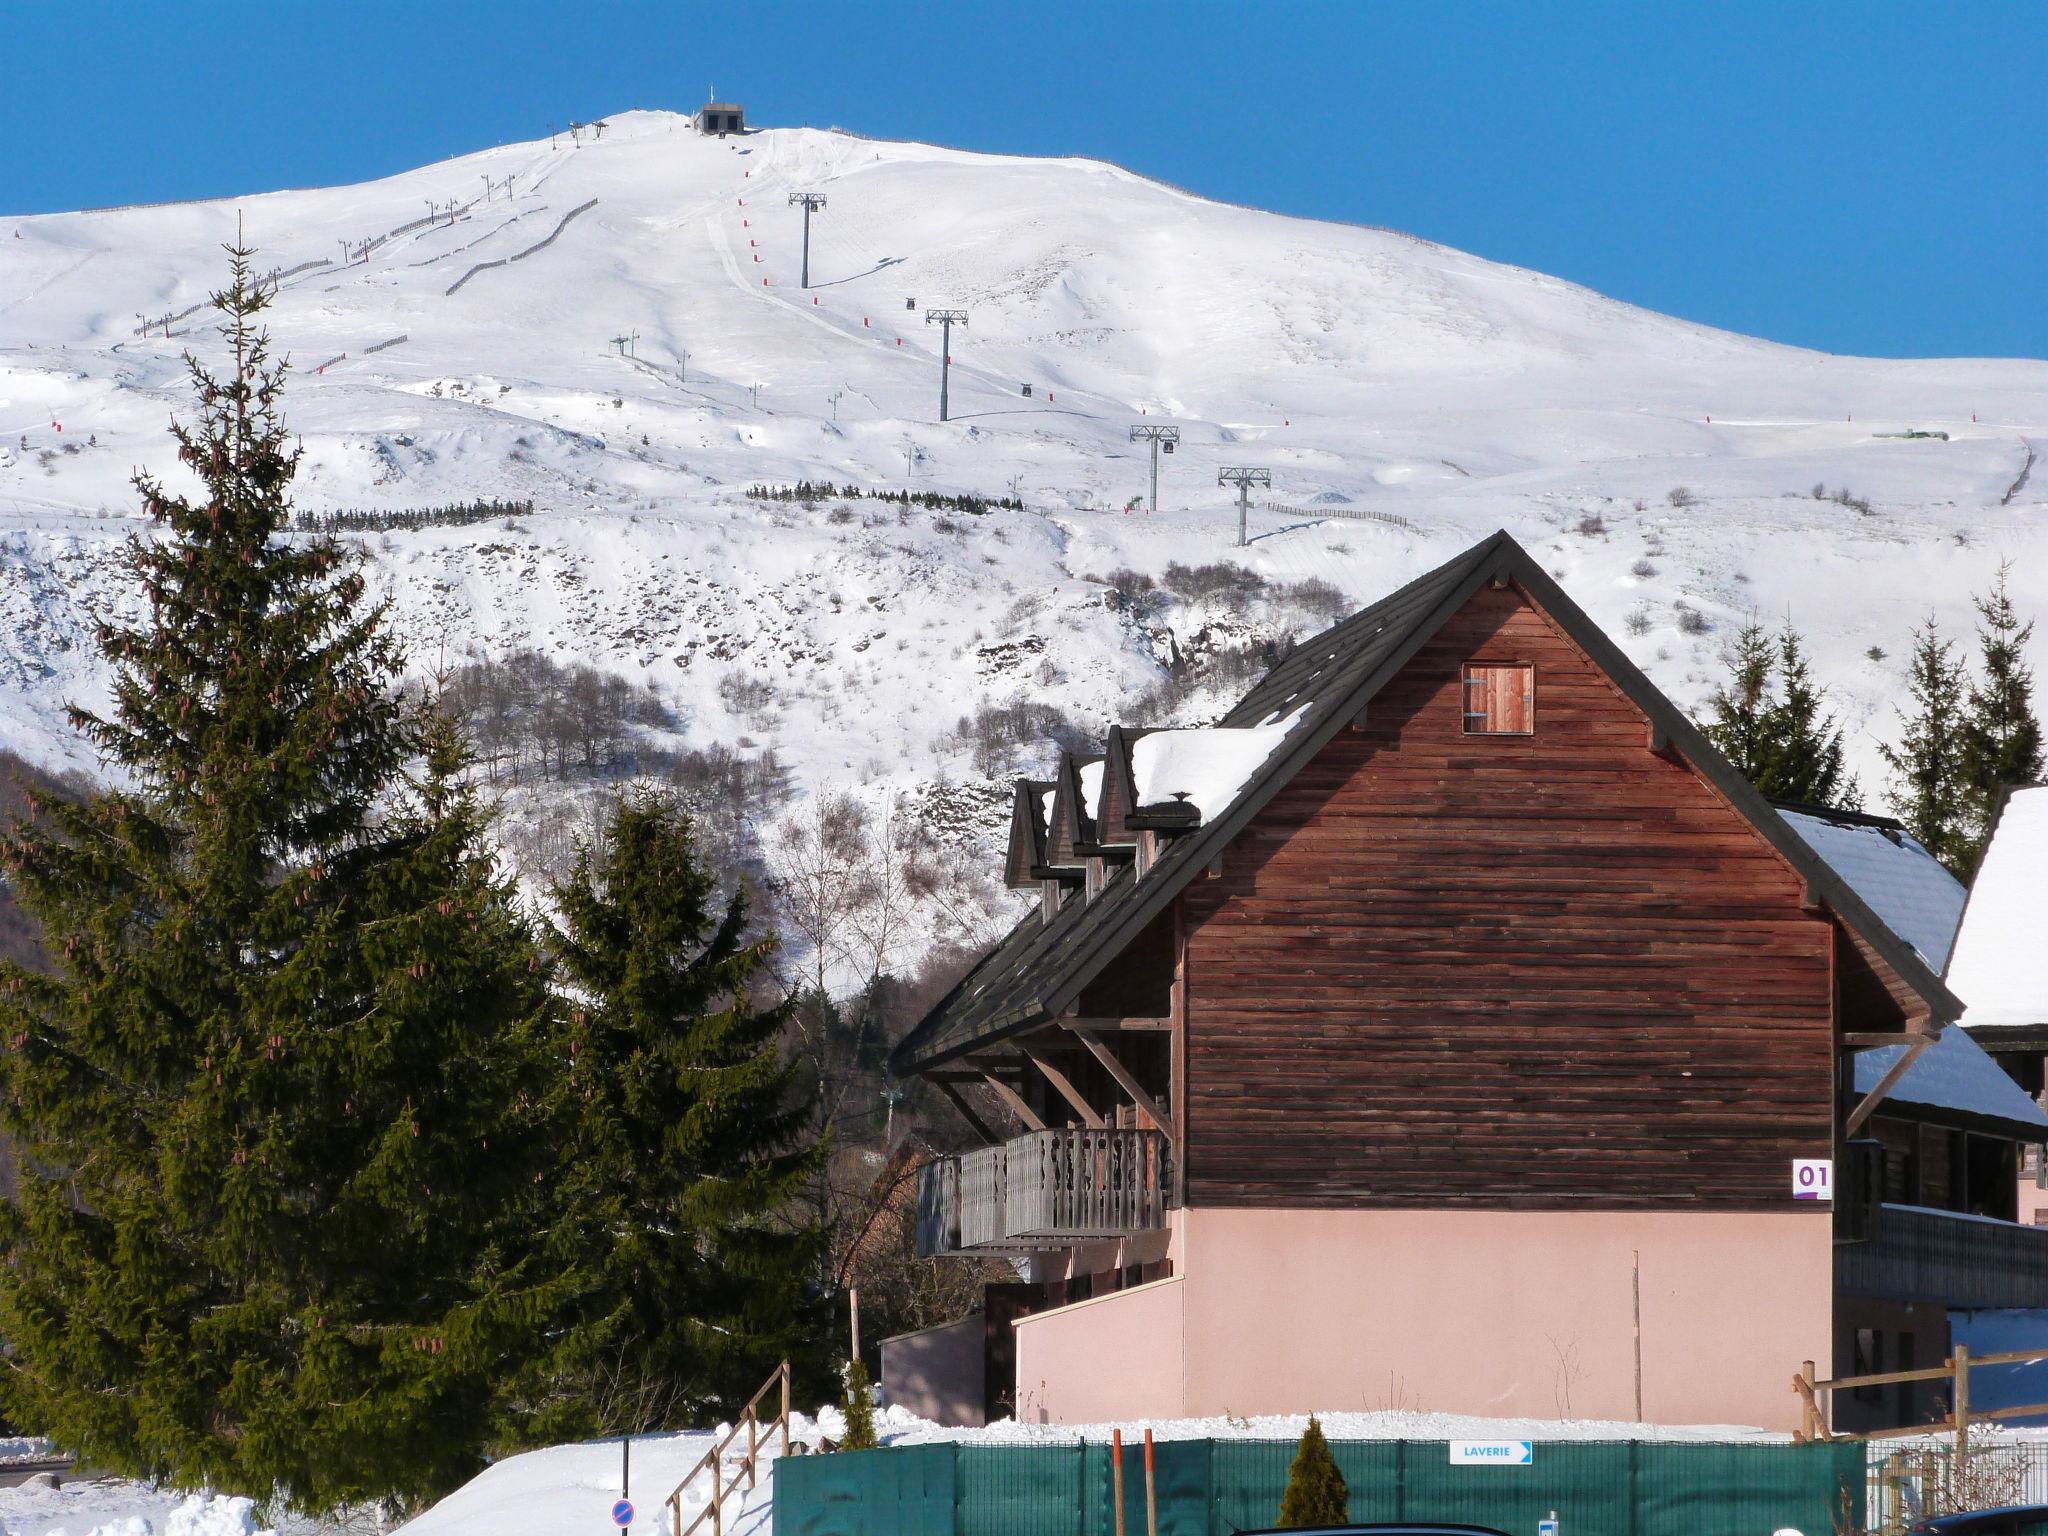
[1371,371]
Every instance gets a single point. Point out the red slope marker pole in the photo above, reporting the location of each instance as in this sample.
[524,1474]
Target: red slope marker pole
[1116,1475]
[1151,1498]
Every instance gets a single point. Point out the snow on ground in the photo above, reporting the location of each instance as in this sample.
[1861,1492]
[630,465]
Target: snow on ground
[117,1507]
[636,374]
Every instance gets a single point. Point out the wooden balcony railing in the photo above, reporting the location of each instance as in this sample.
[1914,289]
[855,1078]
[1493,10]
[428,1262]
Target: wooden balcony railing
[1044,1190]
[1949,1259]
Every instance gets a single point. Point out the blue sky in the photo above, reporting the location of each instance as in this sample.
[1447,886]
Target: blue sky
[1868,178]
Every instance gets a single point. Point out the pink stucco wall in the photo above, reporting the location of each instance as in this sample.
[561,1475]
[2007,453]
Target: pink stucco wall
[1482,1312]
[1120,1356]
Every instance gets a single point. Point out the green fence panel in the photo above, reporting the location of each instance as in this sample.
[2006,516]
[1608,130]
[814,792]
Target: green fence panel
[1245,1480]
[1180,1488]
[1375,1472]
[1009,1490]
[1214,1488]
[1733,1490]
[907,1490]
[1590,1486]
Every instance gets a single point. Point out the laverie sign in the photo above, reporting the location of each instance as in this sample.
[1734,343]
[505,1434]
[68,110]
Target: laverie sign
[1504,1453]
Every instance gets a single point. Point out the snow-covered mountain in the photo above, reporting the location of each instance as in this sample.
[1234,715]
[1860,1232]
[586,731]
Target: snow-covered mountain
[612,327]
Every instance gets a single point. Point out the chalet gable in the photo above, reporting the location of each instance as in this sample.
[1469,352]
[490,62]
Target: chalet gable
[1029,804]
[1199,788]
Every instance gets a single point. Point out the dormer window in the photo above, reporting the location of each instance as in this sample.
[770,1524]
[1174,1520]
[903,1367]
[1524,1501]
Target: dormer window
[1500,698]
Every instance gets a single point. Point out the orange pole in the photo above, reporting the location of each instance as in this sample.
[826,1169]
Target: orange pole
[1151,1498]
[1116,1475]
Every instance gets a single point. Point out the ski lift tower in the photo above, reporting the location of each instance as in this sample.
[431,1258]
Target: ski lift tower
[810,202]
[947,319]
[1156,435]
[1244,477]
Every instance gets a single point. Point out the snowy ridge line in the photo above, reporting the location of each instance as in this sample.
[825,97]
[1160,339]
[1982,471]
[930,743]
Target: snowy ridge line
[1122,170]
[522,255]
[1356,514]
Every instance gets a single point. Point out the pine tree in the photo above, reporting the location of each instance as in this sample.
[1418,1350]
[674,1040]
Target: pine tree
[1806,761]
[2001,737]
[858,1402]
[276,1171]
[680,1218]
[1316,1493]
[1927,790]
[1743,706]
[1768,722]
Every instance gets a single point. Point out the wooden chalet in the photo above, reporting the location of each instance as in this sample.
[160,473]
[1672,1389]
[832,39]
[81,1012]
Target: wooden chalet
[1447,1027]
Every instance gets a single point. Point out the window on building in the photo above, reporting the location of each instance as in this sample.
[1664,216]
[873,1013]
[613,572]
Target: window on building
[1869,1362]
[1500,698]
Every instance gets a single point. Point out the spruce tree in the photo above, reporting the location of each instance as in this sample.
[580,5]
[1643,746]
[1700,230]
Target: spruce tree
[1316,1493]
[681,1218]
[1768,721]
[1806,756]
[1927,789]
[276,1123]
[1743,706]
[2001,736]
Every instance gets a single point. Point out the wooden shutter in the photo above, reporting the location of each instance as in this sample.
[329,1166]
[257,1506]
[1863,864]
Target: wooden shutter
[1500,698]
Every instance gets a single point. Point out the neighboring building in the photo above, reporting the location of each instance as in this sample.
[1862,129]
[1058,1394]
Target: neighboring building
[1997,967]
[1443,1029]
[721,117]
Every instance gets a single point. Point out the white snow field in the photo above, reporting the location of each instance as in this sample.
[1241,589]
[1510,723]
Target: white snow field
[116,1507]
[644,354]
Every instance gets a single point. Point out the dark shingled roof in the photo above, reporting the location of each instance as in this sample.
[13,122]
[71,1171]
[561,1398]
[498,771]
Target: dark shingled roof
[1042,967]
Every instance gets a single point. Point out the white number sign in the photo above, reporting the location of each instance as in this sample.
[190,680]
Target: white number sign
[1813,1178]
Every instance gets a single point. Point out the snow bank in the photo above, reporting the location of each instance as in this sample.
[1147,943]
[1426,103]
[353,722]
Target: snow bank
[117,1507]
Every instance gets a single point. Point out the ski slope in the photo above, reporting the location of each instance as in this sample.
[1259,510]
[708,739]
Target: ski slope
[467,347]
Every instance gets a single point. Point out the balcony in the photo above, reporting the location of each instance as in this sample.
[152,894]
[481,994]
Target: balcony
[1948,1258]
[1048,1189]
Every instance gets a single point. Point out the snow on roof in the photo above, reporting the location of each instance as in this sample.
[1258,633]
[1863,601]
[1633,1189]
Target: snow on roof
[1208,766]
[1996,968]
[1090,775]
[1901,881]
[1953,1073]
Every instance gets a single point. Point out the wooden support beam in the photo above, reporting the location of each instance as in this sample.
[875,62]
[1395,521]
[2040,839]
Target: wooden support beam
[1877,1095]
[1114,1025]
[968,1113]
[1125,1081]
[1064,1086]
[1014,1102]
[1870,1040]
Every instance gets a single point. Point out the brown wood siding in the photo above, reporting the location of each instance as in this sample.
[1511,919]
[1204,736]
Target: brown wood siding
[1554,970]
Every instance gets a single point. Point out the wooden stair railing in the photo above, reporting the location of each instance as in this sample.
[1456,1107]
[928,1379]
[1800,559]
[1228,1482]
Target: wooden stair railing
[713,1461]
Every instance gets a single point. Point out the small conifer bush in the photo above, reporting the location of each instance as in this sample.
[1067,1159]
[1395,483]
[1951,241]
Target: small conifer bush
[860,1410]
[1316,1493]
